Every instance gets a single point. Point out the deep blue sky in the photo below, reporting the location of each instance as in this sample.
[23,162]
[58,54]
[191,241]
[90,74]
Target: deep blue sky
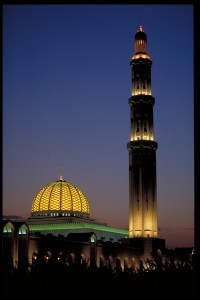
[66,84]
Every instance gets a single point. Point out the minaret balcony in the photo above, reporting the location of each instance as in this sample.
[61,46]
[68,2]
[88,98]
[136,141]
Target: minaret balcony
[141,144]
[141,98]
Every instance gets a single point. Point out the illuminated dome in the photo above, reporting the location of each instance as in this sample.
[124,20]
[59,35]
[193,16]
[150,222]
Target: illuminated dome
[60,198]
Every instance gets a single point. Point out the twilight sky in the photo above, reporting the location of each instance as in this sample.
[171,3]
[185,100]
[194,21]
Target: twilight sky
[66,84]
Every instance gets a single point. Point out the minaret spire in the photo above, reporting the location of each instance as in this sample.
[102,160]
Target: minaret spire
[141,28]
[140,43]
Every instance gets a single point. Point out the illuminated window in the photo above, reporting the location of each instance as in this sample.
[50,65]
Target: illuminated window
[92,239]
[22,230]
[7,228]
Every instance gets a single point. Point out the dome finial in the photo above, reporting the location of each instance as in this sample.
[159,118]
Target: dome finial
[61,176]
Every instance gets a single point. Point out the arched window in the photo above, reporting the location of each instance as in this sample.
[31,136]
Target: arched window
[93,238]
[8,228]
[22,230]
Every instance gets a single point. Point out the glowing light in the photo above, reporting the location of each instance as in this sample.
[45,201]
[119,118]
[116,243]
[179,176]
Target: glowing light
[136,56]
[22,230]
[78,225]
[60,196]
[141,28]
[7,228]
[92,239]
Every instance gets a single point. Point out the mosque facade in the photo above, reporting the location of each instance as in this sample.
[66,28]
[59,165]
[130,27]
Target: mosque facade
[60,225]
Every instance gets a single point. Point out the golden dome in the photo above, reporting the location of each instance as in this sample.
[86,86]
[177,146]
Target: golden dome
[60,198]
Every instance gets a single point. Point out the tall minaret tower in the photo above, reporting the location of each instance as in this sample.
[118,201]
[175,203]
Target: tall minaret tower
[142,147]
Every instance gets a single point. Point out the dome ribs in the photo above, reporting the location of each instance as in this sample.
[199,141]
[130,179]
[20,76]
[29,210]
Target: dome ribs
[60,198]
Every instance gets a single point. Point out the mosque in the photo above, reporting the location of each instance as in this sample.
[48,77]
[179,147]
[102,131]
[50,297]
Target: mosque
[60,222]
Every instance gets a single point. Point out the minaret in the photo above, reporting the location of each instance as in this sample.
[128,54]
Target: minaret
[142,147]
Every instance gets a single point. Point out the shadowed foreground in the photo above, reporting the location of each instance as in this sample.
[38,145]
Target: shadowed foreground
[99,283]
